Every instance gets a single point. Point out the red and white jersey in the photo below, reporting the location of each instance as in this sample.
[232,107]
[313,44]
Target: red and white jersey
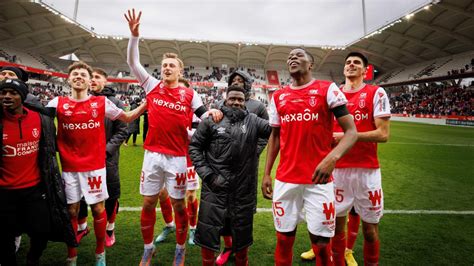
[81,131]
[168,108]
[21,137]
[365,105]
[305,120]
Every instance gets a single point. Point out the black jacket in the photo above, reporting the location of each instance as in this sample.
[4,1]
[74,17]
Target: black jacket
[134,126]
[224,157]
[116,133]
[61,227]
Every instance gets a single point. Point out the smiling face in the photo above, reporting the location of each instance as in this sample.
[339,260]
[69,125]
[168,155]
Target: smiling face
[354,67]
[79,79]
[10,99]
[299,62]
[170,70]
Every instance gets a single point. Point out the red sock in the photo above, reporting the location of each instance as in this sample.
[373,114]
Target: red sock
[100,224]
[227,241]
[323,254]
[352,230]
[241,257]
[181,219]
[82,220]
[284,250]
[207,257]
[371,253]
[72,251]
[192,212]
[167,210]
[338,248]
[112,217]
[147,221]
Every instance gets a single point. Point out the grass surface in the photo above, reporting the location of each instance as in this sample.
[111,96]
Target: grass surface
[424,167]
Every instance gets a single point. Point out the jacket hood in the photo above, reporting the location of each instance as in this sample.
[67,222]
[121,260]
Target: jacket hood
[234,114]
[247,80]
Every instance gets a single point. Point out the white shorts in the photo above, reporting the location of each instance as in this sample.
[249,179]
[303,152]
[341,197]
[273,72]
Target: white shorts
[361,188]
[163,170]
[92,185]
[317,201]
[193,179]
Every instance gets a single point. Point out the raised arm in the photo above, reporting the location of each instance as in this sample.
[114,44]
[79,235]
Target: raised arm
[146,80]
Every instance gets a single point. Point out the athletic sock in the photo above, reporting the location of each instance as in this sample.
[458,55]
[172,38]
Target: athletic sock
[100,223]
[181,226]
[208,258]
[192,213]
[352,229]
[338,248]
[284,250]
[371,253]
[72,251]
[323,254]
[167,210]
[147,221]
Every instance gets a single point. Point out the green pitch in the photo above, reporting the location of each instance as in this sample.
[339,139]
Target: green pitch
[424,167]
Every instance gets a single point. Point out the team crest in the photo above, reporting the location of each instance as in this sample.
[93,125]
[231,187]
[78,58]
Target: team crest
[312,101]
[94,113]
[182,95]
[35,132]
[361,103]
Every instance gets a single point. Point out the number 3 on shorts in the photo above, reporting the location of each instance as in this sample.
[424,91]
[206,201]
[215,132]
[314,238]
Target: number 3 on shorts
[339,195]
[277,209]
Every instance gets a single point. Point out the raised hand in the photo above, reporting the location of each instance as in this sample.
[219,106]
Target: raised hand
[133,22]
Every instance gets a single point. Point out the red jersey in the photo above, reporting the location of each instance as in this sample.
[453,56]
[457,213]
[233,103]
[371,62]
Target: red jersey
[21,137]
[169,115]
[81,131]
[305,120]
[365,105]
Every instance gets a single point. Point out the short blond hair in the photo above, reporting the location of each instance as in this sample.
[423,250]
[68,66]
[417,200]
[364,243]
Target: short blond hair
[174,56]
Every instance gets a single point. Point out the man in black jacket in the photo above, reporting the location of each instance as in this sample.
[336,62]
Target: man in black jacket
[31,190]
[224,157]
[115,133]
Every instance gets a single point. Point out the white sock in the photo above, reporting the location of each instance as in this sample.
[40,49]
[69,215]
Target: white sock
[170,224]
[110,226]
[192,227]
[148,246]
[180,246]
[81,227]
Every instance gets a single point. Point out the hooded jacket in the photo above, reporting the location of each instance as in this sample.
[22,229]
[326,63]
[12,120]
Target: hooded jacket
[224,157]
[116,133]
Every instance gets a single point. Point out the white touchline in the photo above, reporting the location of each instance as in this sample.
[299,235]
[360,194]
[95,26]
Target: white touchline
[431,144]
[449,212]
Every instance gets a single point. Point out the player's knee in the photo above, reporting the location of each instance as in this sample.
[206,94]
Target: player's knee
[370,232]
[97,208]
[191,195]
[321,240]
[178,205]
[340,225]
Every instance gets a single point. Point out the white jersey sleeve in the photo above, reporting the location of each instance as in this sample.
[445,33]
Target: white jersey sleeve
[335,97]
[381,104]
[273,116]
[53,103]
[196,102]
[147,81]
[112,112]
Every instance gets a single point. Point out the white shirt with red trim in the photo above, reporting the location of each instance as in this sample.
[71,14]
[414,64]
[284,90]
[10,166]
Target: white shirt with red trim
[305,120]
[365,105]
[81,131]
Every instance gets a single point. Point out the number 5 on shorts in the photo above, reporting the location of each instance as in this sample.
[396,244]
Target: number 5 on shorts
[339,195]
[277,209]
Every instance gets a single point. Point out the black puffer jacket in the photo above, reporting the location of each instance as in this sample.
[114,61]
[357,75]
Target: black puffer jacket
[116,133]
[61,227]
[224,156]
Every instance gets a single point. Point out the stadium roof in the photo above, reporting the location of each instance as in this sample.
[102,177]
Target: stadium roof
[444,28]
